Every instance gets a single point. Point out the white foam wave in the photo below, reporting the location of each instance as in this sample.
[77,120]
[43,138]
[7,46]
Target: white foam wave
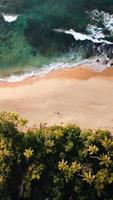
[108,22]
[94,37]
[102,17]
[95,32]
[54,66]
[9,18]
[37,72]
[82,37]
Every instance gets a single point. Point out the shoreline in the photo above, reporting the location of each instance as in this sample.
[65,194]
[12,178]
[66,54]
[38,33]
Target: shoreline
[82,72]
[72,95]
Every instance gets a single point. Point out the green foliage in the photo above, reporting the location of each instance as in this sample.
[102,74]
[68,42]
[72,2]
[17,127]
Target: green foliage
[58,162]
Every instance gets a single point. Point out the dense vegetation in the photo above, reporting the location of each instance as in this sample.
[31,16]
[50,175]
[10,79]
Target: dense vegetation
[56,163]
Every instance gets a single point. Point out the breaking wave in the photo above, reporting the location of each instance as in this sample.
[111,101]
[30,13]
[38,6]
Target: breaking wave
[99,32]
[102,18]
[96,31]
[9,18]
[80,36]
[90,62]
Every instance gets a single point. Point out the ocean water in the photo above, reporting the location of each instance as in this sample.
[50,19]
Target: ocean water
[40,36]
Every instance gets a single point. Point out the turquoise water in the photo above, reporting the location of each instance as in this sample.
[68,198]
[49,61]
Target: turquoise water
[37,36]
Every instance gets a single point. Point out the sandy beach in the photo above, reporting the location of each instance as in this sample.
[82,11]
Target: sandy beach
[75,95]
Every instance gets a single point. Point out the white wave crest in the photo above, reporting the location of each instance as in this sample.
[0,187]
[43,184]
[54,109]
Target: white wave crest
[103,18]
[38,72]
[9,18]
[95,32]
[82,37]
[92,63]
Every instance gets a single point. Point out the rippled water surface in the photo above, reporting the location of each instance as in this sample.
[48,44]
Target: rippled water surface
[39,36]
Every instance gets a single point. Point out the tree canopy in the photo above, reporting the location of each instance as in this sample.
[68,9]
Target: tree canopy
[56,163]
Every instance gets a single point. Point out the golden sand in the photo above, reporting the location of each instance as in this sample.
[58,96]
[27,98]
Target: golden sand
[76,95]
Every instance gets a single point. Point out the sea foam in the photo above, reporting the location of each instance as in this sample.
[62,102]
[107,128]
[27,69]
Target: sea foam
[9,18]
[102,17]
[93,33]
[91,63]
[91,37]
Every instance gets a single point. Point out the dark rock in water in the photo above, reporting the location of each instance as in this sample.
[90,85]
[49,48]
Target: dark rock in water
[111,64]
[105,62]
[97,60]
